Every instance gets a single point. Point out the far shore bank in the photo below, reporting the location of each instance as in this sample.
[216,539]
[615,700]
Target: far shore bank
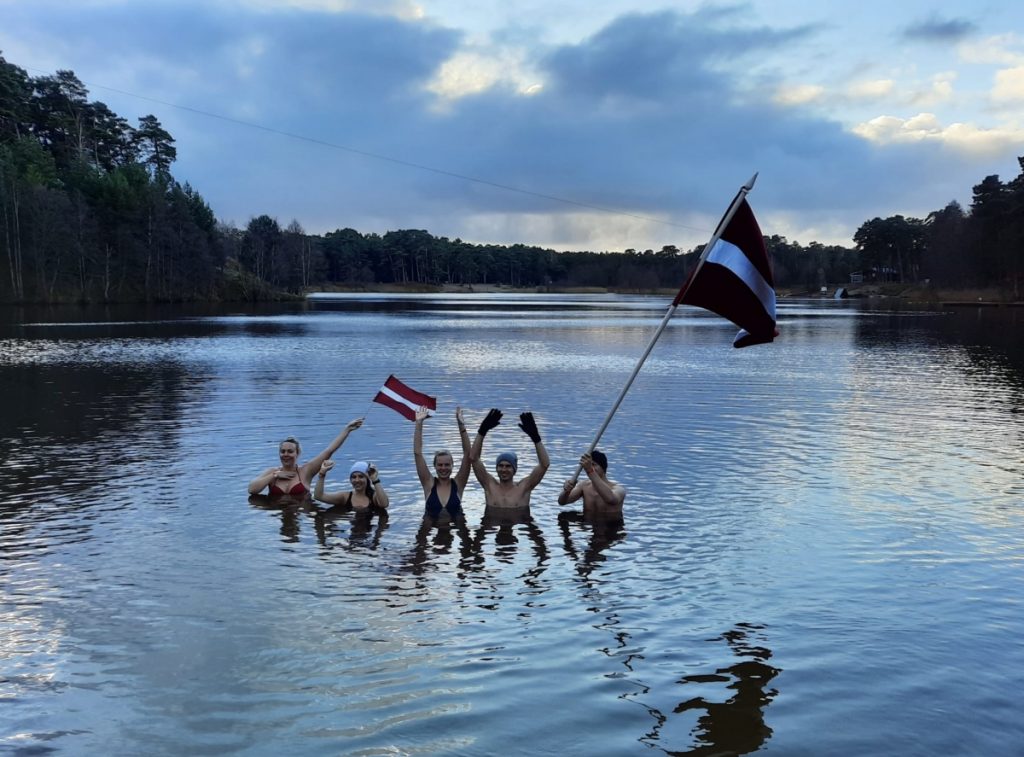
[912,293]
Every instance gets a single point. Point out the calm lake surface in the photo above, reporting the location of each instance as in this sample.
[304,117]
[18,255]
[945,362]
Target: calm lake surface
[822,551]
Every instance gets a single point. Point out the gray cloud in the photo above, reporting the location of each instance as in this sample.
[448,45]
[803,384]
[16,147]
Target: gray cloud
[650,115]
[937,29]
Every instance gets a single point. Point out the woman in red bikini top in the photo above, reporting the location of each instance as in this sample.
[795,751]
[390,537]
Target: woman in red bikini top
[367,492]
[292,478]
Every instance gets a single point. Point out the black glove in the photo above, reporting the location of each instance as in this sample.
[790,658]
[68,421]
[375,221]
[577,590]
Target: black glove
[529,427]
[493,419]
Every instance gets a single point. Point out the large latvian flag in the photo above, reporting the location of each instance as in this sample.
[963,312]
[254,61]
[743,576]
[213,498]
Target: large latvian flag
[736,281]
[403,399]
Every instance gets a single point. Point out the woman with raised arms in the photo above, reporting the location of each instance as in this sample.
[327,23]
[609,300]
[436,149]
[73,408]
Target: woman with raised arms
[294,478]
[443,492]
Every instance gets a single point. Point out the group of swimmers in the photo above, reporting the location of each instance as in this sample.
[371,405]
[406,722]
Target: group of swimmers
[442,491]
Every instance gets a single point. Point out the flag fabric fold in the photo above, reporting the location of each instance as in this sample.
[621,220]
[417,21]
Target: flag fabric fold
[403,399]
[736,280]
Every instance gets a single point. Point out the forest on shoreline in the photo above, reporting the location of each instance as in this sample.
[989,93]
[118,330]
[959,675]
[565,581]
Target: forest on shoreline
[91,212]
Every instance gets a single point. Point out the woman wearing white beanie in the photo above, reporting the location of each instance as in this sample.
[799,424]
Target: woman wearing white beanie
[366,493]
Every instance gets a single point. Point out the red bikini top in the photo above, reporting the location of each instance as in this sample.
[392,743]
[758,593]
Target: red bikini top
[299,488]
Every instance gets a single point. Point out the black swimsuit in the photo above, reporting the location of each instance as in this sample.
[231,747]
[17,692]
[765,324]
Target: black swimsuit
[454,506]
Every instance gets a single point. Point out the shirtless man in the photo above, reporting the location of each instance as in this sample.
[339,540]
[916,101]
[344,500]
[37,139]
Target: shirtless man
[504,491]
[600,494]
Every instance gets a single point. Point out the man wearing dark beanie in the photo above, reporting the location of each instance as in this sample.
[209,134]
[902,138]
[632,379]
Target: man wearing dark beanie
[505,491]
[600,494]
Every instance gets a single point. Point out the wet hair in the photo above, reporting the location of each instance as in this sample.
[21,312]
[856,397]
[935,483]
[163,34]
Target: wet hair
[290,440]
[443,452]
[600,458]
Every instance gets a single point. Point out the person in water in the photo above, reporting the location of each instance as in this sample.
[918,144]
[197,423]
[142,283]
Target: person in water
[294,478]
[600,494]
[367,492]
[443,492]
[505,491]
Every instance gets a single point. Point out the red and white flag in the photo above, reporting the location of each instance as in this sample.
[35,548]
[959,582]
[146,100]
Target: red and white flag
[736,281]
[403,399]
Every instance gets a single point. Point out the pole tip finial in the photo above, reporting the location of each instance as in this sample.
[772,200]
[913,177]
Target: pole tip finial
[750,184]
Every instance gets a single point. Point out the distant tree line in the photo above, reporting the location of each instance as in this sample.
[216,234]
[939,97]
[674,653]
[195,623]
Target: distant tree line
[90,212]
[982,247]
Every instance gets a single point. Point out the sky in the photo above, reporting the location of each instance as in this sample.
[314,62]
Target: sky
[576,124]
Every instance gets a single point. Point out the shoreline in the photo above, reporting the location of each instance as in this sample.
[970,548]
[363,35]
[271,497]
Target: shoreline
[912,293]
[909,293]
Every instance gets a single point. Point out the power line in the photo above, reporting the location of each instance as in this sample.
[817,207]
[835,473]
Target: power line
[387,158]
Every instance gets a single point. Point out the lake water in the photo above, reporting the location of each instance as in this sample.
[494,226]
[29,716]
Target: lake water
[822,551]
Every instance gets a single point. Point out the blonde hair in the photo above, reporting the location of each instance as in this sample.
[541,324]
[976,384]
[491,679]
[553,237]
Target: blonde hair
[290,440]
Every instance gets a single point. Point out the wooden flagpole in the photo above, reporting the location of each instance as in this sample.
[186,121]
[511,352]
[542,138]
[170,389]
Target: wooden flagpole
[671,310]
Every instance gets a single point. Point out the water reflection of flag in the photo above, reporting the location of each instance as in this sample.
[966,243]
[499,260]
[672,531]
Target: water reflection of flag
[403,399]
[736,281]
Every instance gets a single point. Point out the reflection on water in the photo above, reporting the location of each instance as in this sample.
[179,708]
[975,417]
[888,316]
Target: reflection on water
[737,724]
[502,524]
[364,528]
[434,543]
[853,488]
[600,534]
[291,510]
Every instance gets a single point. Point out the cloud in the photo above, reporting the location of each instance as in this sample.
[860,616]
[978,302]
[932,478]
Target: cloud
[1009,86]
[1001,50]
[471,73]
[939,91]
[580,230]
[402,9]
[798,94]
[937,29]
[926,128]
[870,90]
[653,118]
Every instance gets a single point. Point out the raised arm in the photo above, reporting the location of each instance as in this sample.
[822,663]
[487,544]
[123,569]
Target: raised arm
[529,427]
[462,477]
[380,497]
[571,491]
[335,498]
[492,419]
[422,471]
[314,464]
[612,495]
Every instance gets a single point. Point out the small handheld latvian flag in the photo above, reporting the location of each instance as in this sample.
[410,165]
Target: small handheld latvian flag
[736,281]
[403,399]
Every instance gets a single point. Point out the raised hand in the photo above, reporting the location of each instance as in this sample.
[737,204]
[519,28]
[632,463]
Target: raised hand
[492,419]
[354,424]
[529,427]
[326,466]
[422,413]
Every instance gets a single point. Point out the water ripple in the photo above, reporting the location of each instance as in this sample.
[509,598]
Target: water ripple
[822,531]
